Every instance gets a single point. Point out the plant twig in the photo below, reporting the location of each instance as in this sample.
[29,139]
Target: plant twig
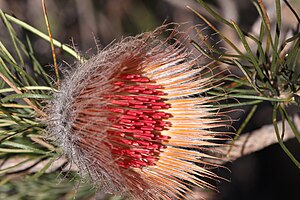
[257,140]
[40,112]
[51,42]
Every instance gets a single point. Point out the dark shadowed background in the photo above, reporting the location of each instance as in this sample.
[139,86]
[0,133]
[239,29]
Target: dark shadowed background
[265,175]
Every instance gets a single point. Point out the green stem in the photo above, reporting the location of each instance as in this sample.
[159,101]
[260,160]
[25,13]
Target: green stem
[242,127]
[291,123]
[45,37]
[252,97]
[280,141]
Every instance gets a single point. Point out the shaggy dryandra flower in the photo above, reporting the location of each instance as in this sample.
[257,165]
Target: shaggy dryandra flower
[135,119]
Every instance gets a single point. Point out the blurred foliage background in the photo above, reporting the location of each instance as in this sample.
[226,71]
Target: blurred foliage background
[92,24]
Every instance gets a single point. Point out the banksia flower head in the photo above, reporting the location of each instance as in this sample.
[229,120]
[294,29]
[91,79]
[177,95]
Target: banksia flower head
[135,119]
